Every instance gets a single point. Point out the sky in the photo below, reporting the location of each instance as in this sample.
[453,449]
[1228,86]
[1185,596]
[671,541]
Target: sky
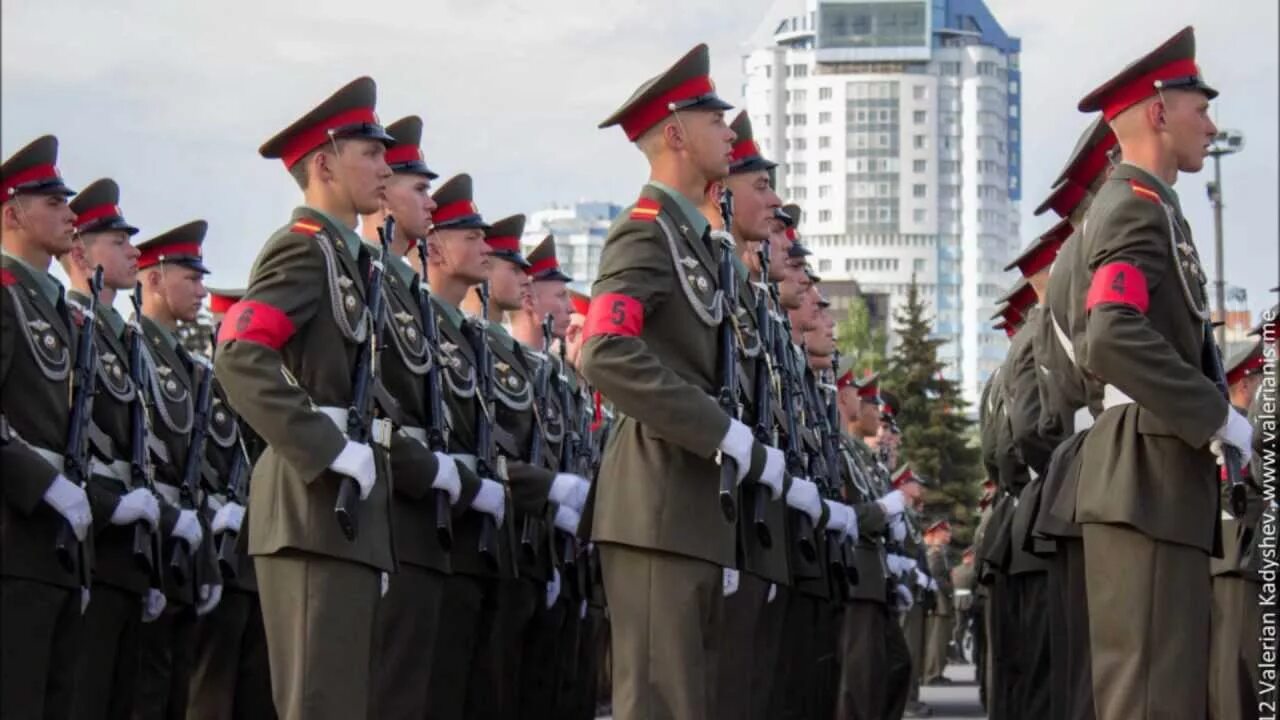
[172,99]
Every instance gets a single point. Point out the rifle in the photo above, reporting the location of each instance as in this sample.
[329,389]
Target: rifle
[1231,461]
[228,559]
[434,401]
[487,464]
[78,464]
[728,395]
[541,389]
[831,450]
[360,413]
[571,458]
[821,470]
[764,426]
[795,463]
[180,557]
[146,542]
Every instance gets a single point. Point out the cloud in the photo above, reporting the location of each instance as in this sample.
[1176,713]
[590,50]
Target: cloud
[173,99]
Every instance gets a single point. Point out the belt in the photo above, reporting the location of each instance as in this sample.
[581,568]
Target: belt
[170,493]
[963,592]
[471,461]
[119,470]
[379,430]
[1112,396]
[57,460]
[1083,419]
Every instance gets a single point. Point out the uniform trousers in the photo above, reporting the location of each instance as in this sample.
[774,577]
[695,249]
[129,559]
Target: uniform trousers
[406,621]
[318,614]
[1236,650]
[938,632]
[1149,615]
[230,672]
[41,626]
[864,661]
[667,614]
[108,664]
[738,650]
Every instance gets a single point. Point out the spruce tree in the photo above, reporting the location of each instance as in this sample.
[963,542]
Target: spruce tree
[937,437]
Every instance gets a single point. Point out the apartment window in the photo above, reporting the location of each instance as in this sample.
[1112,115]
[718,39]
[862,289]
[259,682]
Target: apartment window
[918,190]
[949,68]
[920,142]
[919,166]
[798,71]
[919,92]
[767,120]
[919,117]
[824,216]
[918,265]
[882,140]
[798,168]
[799,95]
[798,143]
[824,142]
[799,193]
[824,93]
[768,71]
[918,215]
[824,118]
[824,191]
[824,266]
[799,119]
[824,166]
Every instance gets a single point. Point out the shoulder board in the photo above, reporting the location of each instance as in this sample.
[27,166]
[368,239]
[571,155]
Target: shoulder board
[7,278]
[1144,192]
[305,227]
[645,209]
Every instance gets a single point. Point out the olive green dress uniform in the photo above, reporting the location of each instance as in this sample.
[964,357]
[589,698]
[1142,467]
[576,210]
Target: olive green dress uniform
[167,644]
[651,349]
[108,661]
[287,350]
[1236,650]
[940,621]
[913,622]
[1148,495]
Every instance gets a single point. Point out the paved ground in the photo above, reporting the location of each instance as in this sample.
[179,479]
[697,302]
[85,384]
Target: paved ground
[951,702]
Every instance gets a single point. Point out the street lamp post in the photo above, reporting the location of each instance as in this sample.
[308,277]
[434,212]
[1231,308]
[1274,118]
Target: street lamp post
[1225,142]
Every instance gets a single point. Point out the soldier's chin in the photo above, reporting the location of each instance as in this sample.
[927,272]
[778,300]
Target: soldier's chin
[1192,164]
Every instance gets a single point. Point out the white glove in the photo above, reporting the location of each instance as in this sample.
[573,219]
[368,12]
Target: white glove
[356,462]
[922,580]
[567,519]
[384,583]
[775,464]
[137,505]
[188,528]
[1236,432]
[71,503]
[571,490]
[85,594]
[899,529]
[447,478]
[902,598]
[152,605]
[228,517]
[730,579]
[803,496]
[933,585]
[893,503]
[773,593]
[491,500]
[737,444]
[210,596]
[894,563]
[841,519]
[553,588]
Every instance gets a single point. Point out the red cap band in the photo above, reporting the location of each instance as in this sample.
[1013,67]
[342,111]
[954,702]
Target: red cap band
[543,265]
[97,213]
[581,304]
[404,154]
[256,322]
[1067,198]
[844,380]
[1144,86]
[313,137]
[155,255]
[1118,283]
[1239,372]
[504,243]
[791,234]
[744,150]
[221,303]
[614,314]
[651,113]
[454,210]
[35,173]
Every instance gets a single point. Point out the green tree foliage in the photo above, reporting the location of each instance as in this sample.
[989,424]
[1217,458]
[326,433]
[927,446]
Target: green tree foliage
[937,437]
[859,342]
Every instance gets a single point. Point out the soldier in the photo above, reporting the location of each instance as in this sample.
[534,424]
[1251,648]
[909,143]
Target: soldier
[172,272]
[286,358]
[407,617]
[1067,411]
[463,673]
[1236,652]
[123,594]
[964,580]
[651,347]
[230,673]
[1147,496]
[939,625]
[751,584]
[41,600]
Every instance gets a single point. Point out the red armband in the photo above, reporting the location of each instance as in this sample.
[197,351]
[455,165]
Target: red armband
[614,314]
[1118,283]
[256,322]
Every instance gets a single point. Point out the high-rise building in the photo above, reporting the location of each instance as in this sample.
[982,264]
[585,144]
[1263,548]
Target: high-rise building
[896,126]
[580,230]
